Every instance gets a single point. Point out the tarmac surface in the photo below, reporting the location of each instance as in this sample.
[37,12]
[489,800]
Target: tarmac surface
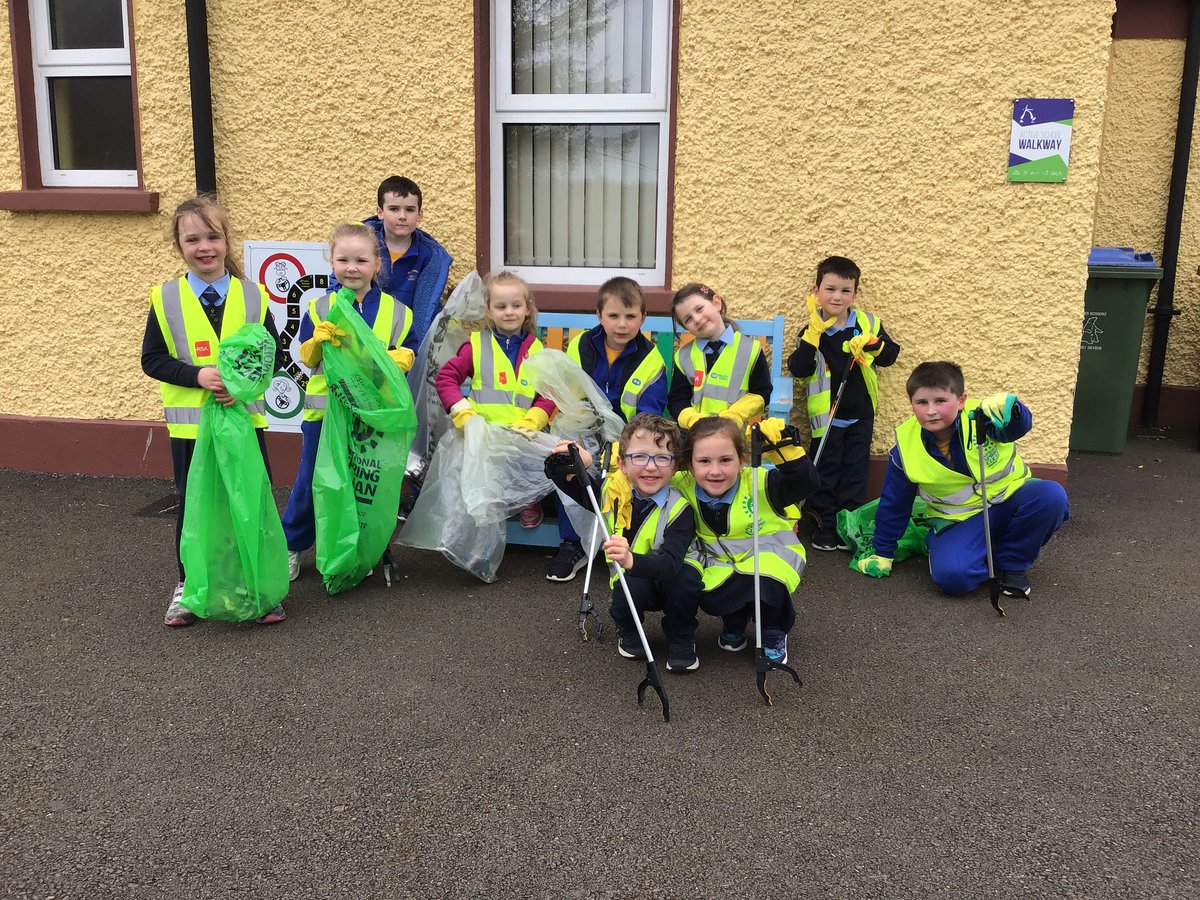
[447,738]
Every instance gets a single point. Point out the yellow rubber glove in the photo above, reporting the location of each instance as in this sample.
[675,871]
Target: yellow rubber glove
[614,457]
[618,496]
[311,353]
[816,325]
[327,331]
[862,344]
[998,408]
[688,417]
[403,358]
[460,412]
[775,430]
[533,420]
[743,409]
[875,566]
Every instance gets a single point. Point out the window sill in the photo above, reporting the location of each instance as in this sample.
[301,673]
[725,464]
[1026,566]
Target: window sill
[571,298]
[80,200]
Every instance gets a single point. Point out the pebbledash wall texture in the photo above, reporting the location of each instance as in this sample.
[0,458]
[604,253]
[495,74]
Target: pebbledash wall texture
[1135,175]
[880,133]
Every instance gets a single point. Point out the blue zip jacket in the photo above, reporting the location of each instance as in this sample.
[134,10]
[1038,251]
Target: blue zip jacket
[593,358]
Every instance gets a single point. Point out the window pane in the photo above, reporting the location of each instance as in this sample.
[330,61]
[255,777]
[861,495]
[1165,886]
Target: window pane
[91,120]
[581,46]
[86,24]
[581,195]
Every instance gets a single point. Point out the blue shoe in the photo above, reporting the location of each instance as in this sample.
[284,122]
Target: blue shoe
[731,641]
[1014,584]
[630,646]
[682,658]
[777,654]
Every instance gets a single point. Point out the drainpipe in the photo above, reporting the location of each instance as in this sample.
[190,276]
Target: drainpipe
[1166,310]
[201,90]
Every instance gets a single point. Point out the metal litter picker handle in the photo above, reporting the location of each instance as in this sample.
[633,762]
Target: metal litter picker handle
[762,663]
[653,678]
[993,582]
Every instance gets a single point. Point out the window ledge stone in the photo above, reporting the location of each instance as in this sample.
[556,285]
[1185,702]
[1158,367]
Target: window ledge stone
[80,199]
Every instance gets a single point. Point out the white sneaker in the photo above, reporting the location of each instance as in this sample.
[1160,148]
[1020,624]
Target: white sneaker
[293,565]
[178,615]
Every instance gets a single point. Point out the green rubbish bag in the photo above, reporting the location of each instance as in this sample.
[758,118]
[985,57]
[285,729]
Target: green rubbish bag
[857,528]
[369,424]
[233,550]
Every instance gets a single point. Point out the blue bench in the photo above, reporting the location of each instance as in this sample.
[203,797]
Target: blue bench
[557,329]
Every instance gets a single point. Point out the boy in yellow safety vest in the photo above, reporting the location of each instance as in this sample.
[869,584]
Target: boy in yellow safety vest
[936,457]
[838,332]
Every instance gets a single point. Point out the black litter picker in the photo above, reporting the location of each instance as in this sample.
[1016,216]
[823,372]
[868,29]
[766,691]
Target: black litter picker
[653,677]
[763,663]
[980,433]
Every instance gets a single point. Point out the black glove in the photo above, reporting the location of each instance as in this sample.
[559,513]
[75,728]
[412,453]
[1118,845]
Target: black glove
[558,466]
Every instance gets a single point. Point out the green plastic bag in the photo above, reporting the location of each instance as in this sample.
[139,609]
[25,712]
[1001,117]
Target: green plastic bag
[233,550]
[857,528]
[369,425]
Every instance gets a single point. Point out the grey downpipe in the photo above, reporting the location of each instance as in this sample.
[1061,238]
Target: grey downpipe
[201,91]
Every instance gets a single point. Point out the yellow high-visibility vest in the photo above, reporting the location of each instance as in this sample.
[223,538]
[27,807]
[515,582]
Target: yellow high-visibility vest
[497,392]
[818,385]
[729,378]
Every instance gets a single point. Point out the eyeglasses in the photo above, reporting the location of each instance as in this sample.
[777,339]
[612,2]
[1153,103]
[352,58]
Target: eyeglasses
[641,460]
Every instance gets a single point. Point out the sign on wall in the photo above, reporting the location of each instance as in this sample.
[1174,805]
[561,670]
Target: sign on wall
[1040,145]
[294,275]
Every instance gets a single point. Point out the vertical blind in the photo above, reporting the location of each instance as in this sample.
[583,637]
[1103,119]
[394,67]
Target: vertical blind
[578,193]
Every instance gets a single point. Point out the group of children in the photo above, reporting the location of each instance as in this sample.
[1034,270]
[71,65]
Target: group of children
[679,500]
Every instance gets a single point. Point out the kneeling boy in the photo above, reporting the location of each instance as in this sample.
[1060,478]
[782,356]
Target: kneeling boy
[936,456]
[651,526]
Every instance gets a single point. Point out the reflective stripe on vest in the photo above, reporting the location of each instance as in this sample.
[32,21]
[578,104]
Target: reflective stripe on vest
[491,394]
[392,323]
[716,557]
[818,386]
[728,380]
[953,495]
[181,405]
[648,372]
[650,533]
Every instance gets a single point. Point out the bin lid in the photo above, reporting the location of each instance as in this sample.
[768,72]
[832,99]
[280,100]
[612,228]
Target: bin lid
[1124,262]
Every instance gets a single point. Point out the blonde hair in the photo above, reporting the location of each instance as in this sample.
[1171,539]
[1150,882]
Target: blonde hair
[354,229]
[505,276]
[211,214]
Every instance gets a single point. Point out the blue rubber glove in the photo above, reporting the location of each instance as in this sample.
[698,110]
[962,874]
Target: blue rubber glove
[998,408]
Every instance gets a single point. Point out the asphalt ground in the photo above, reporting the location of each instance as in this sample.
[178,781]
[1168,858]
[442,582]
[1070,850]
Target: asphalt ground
[447,738]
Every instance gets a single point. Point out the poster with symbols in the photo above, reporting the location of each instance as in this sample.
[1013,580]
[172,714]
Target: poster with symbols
[294,275]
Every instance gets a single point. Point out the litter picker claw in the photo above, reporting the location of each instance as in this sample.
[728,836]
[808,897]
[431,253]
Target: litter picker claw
[762,663]
[980,419]
[653,678]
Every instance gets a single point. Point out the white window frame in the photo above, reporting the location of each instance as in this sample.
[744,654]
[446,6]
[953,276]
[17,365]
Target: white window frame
[653,108]
[50,63]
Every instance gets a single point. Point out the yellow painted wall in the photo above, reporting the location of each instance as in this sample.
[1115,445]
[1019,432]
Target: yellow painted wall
[881,132]
[313,106]
[1135,176]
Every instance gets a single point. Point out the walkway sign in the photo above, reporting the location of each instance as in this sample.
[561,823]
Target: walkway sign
[1040,144]
[294,275]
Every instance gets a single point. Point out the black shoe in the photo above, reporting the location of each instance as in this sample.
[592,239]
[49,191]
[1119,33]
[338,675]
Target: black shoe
[827,539]
[570,560]
[630,646]
[1014,584]
[682,658]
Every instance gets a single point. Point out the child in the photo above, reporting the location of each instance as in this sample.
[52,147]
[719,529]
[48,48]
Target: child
[720,491]
[414,266]
[721,372]
[492,360]
[823,351]
[354,256]
[188,318]
[936,456]
[627,366]
[651,528]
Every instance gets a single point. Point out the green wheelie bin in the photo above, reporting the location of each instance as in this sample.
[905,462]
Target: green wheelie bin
[1114,316]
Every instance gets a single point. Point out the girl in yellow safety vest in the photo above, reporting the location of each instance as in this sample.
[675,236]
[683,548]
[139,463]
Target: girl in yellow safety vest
[720,490]
[491,360]
[188,318]
[354,258]
[721,372]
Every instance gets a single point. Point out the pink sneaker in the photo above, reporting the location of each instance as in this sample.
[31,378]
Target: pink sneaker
[531,516]
[274,616]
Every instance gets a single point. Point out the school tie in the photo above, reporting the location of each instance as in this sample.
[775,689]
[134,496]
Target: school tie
[711,352]
[214,306]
